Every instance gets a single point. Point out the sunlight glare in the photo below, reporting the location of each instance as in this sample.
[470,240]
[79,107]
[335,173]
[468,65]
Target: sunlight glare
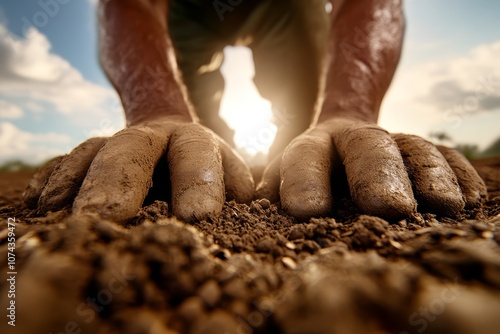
[242,107]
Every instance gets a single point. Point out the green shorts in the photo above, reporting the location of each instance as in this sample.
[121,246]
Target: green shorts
[287,39]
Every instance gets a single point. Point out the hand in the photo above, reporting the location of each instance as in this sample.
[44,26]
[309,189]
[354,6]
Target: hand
[387,174]
[112,176]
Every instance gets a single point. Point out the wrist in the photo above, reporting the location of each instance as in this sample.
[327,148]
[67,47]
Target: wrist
[338,110]
[156,107]
[151,93]
[147,118]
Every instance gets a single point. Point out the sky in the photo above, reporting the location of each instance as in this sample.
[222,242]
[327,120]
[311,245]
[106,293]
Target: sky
[53,94]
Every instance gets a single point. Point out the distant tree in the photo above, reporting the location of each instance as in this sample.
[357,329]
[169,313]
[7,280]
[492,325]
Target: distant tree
[16,166]
[441,136]
[469,151]
[493,150]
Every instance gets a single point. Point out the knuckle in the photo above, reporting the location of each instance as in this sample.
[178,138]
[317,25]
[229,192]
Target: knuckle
[308,143]
[194,136]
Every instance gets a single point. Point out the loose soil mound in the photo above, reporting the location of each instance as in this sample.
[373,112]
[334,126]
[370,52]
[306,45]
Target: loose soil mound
[253,269]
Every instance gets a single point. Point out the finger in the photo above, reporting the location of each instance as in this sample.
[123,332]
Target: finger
[64,183]
[305,172]
[238,178]
[436,187]
[377,177]
[196,173]
[473,187]
[120,175]
[269,185]
[34,189]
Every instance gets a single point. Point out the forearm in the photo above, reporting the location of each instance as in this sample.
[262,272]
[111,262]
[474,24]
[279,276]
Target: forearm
[137,56]
[364,49]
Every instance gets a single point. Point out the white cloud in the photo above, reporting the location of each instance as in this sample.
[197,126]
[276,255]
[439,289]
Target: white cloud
[43,86]
[444,95]
[473,75]
[33,106]
[9,110]
[31,72]
[32,148]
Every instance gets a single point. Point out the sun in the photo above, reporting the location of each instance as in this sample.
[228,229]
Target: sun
[242,107]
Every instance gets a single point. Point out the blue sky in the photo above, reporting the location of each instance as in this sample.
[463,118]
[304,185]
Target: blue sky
[449,75]
[53,94]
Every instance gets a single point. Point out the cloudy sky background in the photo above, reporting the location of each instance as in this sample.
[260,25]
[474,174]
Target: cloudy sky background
[53,94]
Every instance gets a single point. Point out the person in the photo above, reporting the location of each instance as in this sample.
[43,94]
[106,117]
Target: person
[325,72]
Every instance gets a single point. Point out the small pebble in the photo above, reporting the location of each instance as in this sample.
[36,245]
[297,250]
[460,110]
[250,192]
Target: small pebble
[311,245]
[487,235]
[235,288]
[289,263]
[240,308]
[479,226]
[210,293]
[456,232]
[424,230]
[191,309]
[264,203]
[221,253]
[218,322]
[403,223]
[295,234]
[395,244]
[264,245]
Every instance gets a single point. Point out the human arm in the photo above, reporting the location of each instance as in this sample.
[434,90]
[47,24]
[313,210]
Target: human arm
[112,177]
[387,174]
[136,54]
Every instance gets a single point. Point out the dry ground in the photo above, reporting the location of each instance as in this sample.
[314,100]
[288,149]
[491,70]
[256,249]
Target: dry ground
[253,269]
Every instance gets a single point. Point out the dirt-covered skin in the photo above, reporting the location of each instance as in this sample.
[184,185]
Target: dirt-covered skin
[254,269]
[269,181]
[379,190]
[66,179]
[315,166]
[121,193]
[35,188]
[206,195]
[435,185]
[238,178]
[471,184]
[388,175]
[183,163]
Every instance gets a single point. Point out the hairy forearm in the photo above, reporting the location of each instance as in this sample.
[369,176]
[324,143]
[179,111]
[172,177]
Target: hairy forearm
[137,56]
[364,49]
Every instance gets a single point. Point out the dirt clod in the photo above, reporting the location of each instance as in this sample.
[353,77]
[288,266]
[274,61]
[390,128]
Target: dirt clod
[254,269]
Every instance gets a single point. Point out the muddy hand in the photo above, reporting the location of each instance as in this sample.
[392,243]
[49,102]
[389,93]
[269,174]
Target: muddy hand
[112,176]
[387,174]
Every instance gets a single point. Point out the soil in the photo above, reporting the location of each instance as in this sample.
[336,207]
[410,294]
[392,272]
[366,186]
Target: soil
[252,269]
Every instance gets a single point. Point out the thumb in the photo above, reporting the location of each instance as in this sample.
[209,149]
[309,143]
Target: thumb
[238,178]
[269,186]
